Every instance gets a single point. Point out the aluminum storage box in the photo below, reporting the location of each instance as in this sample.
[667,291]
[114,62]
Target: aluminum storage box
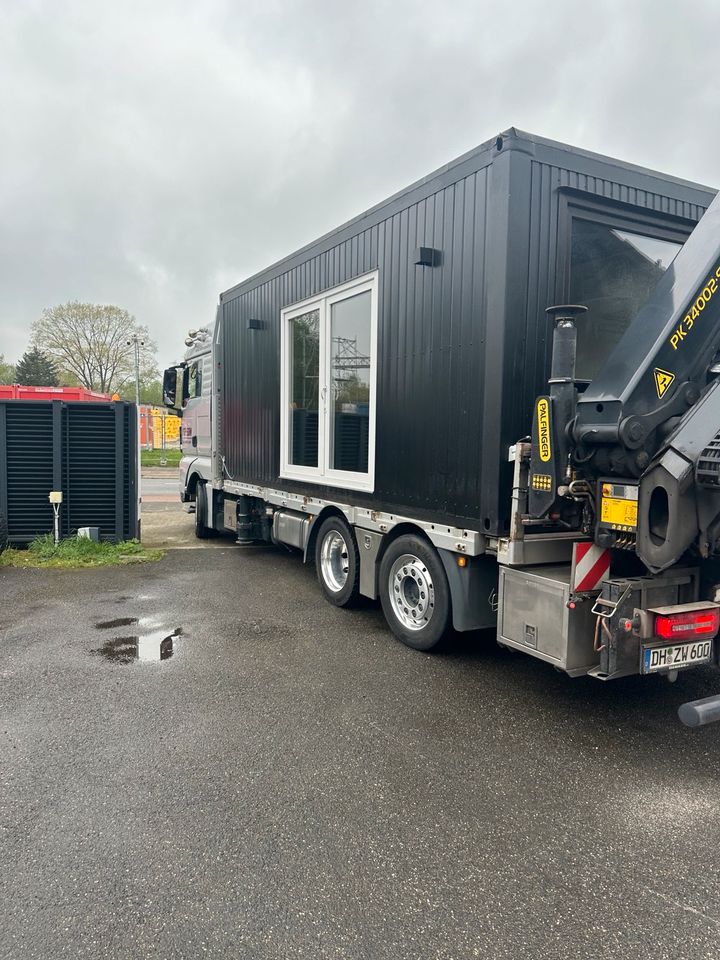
[534,617]
[467,259]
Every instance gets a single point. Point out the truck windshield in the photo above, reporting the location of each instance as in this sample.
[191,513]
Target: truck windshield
[613,273]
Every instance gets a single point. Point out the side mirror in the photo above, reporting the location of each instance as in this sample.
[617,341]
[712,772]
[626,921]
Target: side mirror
[172,380]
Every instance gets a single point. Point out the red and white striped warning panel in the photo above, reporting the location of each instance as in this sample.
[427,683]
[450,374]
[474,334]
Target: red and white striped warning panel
[590,566]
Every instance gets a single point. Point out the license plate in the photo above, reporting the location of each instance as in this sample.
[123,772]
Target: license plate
[676,656]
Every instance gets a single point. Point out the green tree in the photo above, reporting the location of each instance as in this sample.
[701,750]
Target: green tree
[36,369]
[306,354]
[89,341]
[351,389]
[7,371]
[150,392]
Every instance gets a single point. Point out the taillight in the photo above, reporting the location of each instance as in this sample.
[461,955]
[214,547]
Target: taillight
[698,623]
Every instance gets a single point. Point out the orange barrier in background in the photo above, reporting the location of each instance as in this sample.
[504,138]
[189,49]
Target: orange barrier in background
[159,429]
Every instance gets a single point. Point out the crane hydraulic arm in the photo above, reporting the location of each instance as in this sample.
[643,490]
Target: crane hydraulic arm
[641,444]
[659,368]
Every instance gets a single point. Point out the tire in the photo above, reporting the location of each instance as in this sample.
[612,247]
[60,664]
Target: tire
[337,562]
[202,531]
[414,592]
[4,534]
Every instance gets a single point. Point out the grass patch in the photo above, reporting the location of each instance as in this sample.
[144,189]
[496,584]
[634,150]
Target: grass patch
[75,552]
[160,458]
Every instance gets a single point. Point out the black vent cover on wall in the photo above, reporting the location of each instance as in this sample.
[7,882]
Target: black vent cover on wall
[88,451]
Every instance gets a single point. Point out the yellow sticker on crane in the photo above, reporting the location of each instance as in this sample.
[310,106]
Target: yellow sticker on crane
[543,422]
[663,380]
[619,513]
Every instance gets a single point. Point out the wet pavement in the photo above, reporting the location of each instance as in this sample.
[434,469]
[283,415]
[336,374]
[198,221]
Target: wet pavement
[160,485]
[293,783]
[166,522]
[151,642]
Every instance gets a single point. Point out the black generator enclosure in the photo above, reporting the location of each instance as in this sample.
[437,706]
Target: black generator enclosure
[466,261]
[89,451]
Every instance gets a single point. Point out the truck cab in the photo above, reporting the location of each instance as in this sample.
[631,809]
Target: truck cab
[187,388]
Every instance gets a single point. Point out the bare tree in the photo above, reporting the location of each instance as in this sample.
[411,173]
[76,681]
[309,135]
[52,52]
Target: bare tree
[90,342]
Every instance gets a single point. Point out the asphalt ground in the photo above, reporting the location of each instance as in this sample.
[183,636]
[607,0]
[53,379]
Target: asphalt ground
[165,522]
[159,485]
[294,783]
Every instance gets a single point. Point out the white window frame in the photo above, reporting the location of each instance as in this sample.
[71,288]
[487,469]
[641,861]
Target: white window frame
[323,474]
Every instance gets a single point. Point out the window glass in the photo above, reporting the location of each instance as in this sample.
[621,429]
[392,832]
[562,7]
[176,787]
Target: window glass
[613,273]
[305,375]
[193,382]
[329,363]
[350,325]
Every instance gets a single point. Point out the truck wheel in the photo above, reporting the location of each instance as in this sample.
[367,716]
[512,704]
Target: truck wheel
[202,531]
[337,562]
[414,592]
[4,533]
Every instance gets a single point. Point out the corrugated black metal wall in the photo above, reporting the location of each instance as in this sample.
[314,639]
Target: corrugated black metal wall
[463,347]
[430,344]
[86,450]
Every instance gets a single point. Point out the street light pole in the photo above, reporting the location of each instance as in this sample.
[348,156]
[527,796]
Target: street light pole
[137,343]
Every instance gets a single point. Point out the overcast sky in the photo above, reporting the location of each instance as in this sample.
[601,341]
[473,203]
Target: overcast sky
[156,153]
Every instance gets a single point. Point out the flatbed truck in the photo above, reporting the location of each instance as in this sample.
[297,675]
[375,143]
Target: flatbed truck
[490,401]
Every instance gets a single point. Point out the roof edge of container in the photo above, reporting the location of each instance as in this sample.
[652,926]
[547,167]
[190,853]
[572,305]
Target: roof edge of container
[558,146]
[540,148]
[486,150]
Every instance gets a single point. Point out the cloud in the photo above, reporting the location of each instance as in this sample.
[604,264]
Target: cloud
[154,154]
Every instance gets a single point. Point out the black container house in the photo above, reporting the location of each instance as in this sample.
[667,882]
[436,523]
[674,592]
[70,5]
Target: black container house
[392,362]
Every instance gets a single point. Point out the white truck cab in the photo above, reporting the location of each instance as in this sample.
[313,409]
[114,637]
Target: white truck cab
[188,389]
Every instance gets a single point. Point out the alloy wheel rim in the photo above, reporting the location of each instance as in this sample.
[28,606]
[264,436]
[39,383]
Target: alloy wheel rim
[412,592]
[334,561]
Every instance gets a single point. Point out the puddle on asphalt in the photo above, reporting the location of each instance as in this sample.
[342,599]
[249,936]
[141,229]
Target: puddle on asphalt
[151,646]
[118,622]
